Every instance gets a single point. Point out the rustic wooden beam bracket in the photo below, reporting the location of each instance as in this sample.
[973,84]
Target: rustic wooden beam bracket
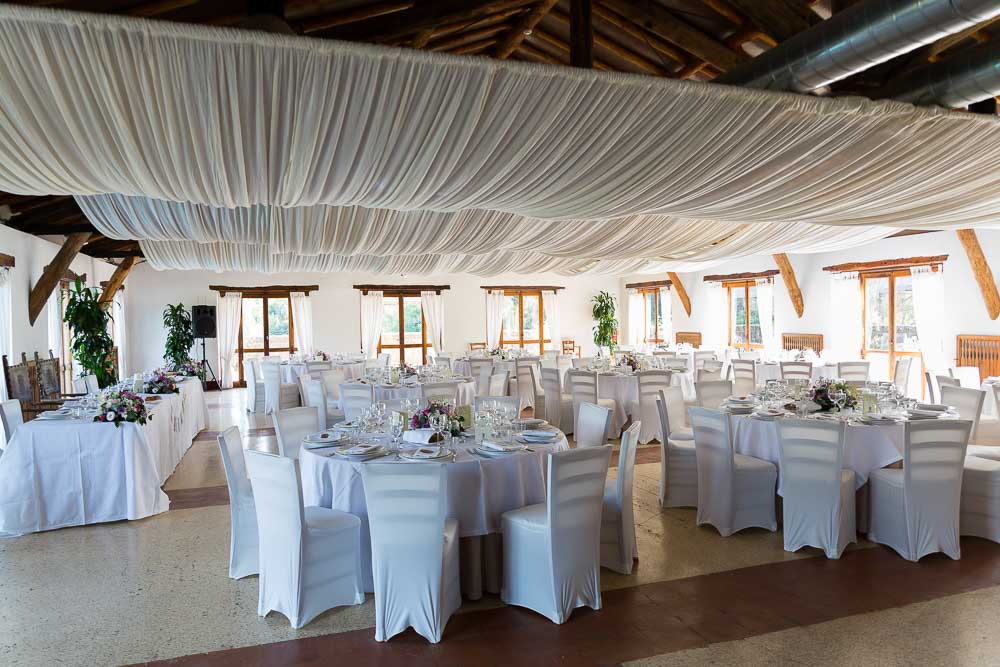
[117,281]
[791,284]
[727,277]
[50,277]
[6,261]
[523,28]
[652,284]
[682,294]
[981,269]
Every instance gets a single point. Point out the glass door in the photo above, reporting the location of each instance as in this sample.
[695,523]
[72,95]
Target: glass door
[403,333]
[744,317]
[889,324]
[523,318]
[266,329]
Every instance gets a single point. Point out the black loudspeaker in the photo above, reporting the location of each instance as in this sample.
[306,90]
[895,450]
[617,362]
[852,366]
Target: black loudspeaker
[203,318]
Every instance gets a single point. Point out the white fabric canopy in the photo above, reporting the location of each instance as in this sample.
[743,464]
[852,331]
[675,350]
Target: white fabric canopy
[928,305]
[96,104]
[6,329]
[302,316]
[433,306]
[494,318]
[846,337]
[229,308]
[553,326]
[372,310]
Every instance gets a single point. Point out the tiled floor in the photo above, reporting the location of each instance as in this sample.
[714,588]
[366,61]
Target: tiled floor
[157,589]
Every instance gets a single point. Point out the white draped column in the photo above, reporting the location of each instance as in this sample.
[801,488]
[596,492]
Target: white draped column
[433,305]
[553,327]
[371,322]
[6,328]
[302,319]
[928,306]
[636,312]
[121,332]
[846,334]
[716,334]
[765,313]
[228,308]
[494,318]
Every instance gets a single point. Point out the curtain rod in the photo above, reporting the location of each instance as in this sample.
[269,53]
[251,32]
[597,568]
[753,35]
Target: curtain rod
[410,289]
[262,289]
[901,263]
[741,276]
[651,283]
[521,288]
[6,261]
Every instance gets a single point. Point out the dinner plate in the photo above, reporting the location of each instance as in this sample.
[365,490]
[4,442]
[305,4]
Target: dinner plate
[373,453]
[496,453]
[323,437]
[54,414]
[420,454]
[530,422]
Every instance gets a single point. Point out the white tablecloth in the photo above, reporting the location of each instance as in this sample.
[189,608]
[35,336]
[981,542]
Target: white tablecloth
[61,473]
[867,448]
[624,389]
[479,489]
[466,392]
[290,372]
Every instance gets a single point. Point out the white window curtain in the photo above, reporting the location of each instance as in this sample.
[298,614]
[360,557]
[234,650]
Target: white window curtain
[433,305]
[229,308]
[667,316]
[765,312]
[121,332]
[845,341]
[371,322]
[54,320]
[302,317]
[928,306]
[636,313]
[716,333]
[553,327]
[494,318]
[6,327]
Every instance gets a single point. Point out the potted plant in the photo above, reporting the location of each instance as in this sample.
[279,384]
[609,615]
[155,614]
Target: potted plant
[607,324]
[180,335]
[90,341]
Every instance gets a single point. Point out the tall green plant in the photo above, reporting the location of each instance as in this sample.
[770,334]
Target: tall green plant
[89,338]
[607,324]
[180,334]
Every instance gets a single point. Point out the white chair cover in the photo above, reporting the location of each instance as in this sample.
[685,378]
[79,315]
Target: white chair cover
[538,392]
[708,375]
[678,463]
[10,417]
[744,376]
[93,387]
[481,370]
[551,551]
[582,362]
[915,510]
[701,356]
[442,392]
[583,389]
[498,382]
[593,424]
[853,371]
[414,549]
[901,375]
[734,491]
[712,393]
[278,395]
[644,408]
[315,369]
[315,397]
[980,509]
[332,379]
[525,386]
[562,416]
[511,401]
[796,370]
[968,403]
[255,388]
[818,507]
[309,556]
[292,426]
[242,513]
[355,397]
[618,543]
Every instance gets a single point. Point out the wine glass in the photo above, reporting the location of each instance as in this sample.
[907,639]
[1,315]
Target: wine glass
[437,422]
[839,397]
[396,424]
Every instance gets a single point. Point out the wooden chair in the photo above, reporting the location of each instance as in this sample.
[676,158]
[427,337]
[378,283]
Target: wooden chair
[476,346]
[569,347]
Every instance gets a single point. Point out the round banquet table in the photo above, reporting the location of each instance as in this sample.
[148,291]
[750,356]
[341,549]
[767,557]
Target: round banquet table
[771,370]
[479,491]
[385,393]
[624,389]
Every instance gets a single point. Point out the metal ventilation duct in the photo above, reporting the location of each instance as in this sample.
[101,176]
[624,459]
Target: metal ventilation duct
[855,39]
[969,77]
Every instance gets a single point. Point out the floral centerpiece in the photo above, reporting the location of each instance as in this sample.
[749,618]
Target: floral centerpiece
[190,369]
[422,418]
[161,383]
[122,406]
[821,394]
[629,359]
[406,370]
[499,353]
[320,355]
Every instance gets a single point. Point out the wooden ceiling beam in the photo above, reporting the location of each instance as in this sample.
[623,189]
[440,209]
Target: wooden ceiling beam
[466,38]
[563,47]
[981,270]
[634,31]
[791,284]
[780,19]
[475,47]
[353,16]
[422,38]
[47,282]
[151,9]
[620,51]
[538,56]
[523,28]
[657,19]
[116,281]
[884,264]
[581,34]
[419,18]
[682,293]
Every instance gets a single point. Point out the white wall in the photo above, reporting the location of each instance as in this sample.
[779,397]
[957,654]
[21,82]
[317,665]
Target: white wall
[964,311]
[337,306]
[31,255]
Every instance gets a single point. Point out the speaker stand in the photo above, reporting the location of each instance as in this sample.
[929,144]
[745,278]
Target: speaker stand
[208,369]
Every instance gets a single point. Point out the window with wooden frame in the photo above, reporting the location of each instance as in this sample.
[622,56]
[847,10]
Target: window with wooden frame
[404,330]
[744,316]
[652,320]
[523,320]
[266,329]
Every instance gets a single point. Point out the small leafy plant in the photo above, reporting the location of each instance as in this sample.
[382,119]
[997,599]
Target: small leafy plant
[90,341]
[607,324]
[180,335]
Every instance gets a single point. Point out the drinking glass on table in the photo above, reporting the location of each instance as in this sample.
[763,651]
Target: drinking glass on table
[396,424]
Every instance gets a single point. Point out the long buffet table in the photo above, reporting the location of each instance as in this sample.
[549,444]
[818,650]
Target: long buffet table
[70,472]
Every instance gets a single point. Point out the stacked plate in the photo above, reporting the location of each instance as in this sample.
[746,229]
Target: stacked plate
[767,415]
[530,422]
[492,449]
[427,453]
[61,413]
[738,405]
[917,413]
[362,452]
[538,437]
[932,407]
[322,439]
[877,420]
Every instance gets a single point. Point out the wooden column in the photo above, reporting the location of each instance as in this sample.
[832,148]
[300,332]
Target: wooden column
[981,269]
[50,277]
[117,280]
[791,284]
[581,34]
[681,292]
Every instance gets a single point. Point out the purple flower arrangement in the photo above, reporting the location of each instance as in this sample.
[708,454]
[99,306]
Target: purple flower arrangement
[630,360]
[161,383]
[122,406]
[406,370]
[821,394]
[190,369]
[422,418]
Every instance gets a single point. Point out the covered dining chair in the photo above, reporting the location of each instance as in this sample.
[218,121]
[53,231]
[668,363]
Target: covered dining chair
[255,388]
[414,549]
[355,398]
[332,379]
[712,393]
[915,509]
[315,396]
[650,384]
[551,551]
[593,425]
[853,372]
[796,370]
[558,406]
[498,383]
[678,464]
[583,389]
[618,543]
[481,368]
[309,557]
[743,373]
[278,395]
[524,385]
[980,507]
[442,392]
[292,426]
[734,491]
[818,492]
[242,512]
[901,374]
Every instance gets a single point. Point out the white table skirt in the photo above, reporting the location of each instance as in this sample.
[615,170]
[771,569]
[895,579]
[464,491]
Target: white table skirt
[867,448]
[290,372]
[466,393]
[479,490]
[71,472]
[990,404]
[624,389]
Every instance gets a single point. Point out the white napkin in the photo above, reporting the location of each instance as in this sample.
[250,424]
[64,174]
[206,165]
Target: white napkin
[931,407]
[425,453]
[539,435]
[420,436]
[501,446]
[360,450]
